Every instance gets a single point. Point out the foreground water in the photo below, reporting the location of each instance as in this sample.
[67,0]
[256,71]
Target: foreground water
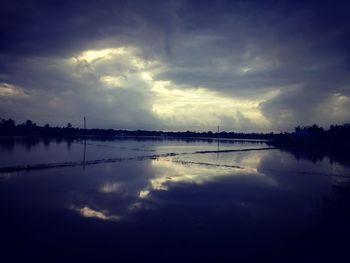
[159,200]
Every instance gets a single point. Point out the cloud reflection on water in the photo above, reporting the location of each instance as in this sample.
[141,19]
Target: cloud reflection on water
[136,191]
[171,173]
[91,213]
[139,189]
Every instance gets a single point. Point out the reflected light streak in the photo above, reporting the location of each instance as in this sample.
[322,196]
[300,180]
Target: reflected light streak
[111,188]
[91,213]
[177,173]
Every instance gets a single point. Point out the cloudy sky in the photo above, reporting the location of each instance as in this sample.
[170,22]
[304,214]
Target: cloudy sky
[176,65]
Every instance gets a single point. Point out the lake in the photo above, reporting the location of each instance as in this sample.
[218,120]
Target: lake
[165,200]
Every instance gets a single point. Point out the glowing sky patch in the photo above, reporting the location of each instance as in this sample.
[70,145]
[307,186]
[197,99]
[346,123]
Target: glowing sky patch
[113,81]
[10,90]
[93,55]
[245,70]
[338,100]
[201,106]
[175,104]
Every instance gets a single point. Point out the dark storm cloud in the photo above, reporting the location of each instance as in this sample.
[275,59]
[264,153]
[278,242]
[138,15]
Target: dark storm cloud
[54,27]
[301,49]
[60,27]
[243,49]
[288,44]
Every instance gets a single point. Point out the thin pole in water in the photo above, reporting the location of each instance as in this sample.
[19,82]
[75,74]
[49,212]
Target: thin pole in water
[217,154]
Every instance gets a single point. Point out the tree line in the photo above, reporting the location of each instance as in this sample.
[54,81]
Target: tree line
[29,128]
[300,135]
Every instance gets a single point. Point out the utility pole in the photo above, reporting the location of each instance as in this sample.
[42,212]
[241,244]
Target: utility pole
[84,155]
[218,139]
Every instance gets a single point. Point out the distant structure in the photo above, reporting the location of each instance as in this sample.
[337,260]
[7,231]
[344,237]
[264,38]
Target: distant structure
[84,123]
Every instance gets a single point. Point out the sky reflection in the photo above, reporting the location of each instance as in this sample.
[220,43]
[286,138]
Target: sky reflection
[89,212]
[248,201]
[164,174]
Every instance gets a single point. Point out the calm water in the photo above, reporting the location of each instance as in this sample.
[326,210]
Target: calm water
[159,200]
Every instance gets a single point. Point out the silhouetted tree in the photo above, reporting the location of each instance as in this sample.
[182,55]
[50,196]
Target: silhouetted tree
[8,123]
[297,129]
[315,129]
[28,123]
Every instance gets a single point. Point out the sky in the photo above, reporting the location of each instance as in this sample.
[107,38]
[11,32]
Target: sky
[176,65]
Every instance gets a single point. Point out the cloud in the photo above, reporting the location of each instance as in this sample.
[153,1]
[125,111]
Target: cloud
[67,89]
[176,64]
[302,106]
[9,90]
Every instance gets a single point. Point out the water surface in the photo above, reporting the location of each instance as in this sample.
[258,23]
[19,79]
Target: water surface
[162,201]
